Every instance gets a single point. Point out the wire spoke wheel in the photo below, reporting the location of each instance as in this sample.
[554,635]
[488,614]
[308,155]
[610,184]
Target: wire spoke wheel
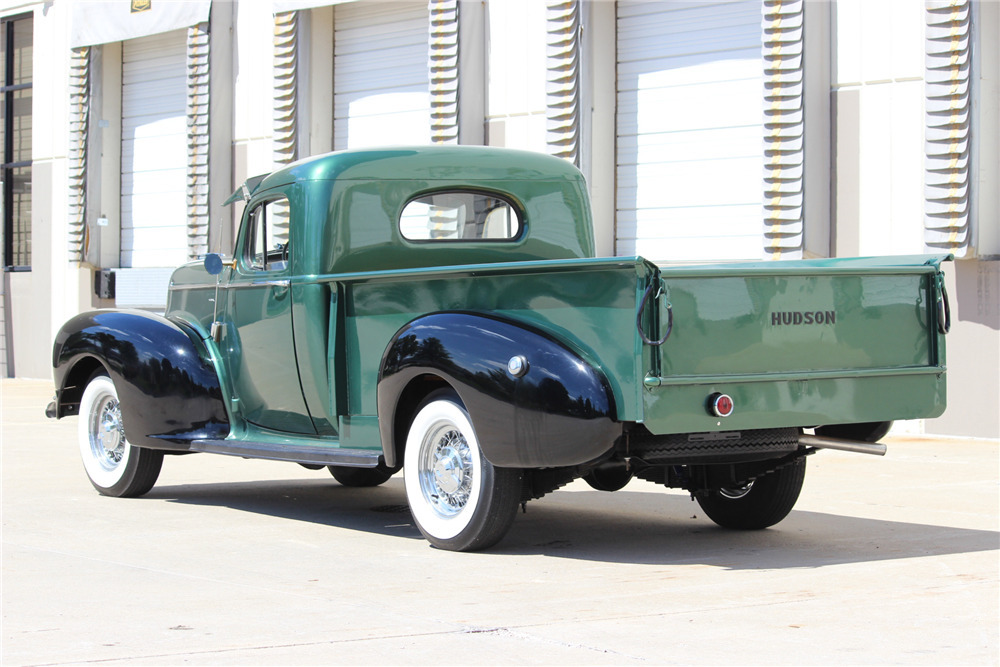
[106,433]
[459,500]
[446,469]
[760,503]
[114,466]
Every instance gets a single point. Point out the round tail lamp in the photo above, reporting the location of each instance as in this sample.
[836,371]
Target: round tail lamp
[720,405]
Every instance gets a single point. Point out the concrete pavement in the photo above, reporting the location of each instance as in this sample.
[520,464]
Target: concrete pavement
[228,561]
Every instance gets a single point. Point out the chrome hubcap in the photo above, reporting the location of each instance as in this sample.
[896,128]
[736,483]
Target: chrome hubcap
[446,470]
[107,435]
[736,492]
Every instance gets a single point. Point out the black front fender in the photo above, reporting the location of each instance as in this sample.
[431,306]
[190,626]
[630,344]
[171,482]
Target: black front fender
[167,385]
[560,412]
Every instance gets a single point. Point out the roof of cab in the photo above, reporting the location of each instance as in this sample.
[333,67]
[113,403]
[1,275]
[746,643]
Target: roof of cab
[425,163]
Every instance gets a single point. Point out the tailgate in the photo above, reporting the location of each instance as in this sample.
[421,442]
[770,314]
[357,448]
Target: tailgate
[800,344]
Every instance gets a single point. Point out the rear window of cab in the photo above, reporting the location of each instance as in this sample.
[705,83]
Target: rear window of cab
[460,216]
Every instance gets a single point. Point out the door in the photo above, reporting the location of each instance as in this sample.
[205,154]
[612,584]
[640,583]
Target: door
[381,81]
[154,151]
[258,341]
[690,129]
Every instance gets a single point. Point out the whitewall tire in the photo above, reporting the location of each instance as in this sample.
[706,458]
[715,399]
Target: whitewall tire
[114,466]
[459,500]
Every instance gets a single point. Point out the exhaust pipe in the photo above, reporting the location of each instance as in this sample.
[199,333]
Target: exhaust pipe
[874,448]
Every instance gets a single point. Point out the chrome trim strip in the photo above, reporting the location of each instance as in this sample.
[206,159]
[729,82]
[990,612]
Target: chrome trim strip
[652,381]
[264,283]
[356,458]
[241,285]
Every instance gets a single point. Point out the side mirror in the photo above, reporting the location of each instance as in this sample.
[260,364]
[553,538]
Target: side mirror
[213,264]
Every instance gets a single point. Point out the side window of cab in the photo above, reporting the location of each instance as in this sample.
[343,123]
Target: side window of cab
[266,241]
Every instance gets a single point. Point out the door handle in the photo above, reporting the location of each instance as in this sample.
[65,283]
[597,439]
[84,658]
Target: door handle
[271,283]
[280,287]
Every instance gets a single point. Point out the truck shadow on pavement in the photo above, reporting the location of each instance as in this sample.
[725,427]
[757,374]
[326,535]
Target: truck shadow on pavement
[625,527]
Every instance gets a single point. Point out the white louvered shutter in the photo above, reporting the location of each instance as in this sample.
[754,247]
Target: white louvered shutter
[197,118]
[79,126]
[443,68]
[286,62]
[154,151]
[784,129]
[562,86]
[947,146]
[381,79]
[690,130]
[286,105]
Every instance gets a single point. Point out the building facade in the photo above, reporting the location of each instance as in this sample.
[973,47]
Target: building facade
[736,130]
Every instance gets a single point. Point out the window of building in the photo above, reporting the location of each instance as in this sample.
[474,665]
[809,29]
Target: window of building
[15,125]
[515,113]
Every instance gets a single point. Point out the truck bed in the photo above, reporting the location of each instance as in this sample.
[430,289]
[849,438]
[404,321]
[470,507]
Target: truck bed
[801,343]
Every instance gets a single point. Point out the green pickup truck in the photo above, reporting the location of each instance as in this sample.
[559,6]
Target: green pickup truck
[440,311]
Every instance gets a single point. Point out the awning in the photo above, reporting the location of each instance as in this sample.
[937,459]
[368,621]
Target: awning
[104,21]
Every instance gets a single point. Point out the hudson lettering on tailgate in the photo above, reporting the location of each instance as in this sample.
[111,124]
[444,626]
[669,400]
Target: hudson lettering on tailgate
[795,317]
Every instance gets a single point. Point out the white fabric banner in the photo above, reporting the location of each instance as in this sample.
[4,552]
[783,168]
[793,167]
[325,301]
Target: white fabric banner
[103,21]
[295,5]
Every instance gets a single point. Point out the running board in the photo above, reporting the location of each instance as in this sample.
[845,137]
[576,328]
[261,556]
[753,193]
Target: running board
[857,446]
[326,456]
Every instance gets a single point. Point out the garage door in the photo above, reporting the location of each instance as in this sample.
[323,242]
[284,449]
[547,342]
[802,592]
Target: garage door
[154,151]
[381,81]
[690,130]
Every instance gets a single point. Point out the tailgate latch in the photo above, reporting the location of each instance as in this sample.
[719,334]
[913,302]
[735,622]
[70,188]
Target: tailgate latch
[943,306]
[658,285]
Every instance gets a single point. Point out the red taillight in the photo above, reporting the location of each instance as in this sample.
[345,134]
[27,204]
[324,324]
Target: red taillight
[720,405]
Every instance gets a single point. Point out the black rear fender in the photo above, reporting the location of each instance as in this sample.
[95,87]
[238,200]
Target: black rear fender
[167,384]
[559,412]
